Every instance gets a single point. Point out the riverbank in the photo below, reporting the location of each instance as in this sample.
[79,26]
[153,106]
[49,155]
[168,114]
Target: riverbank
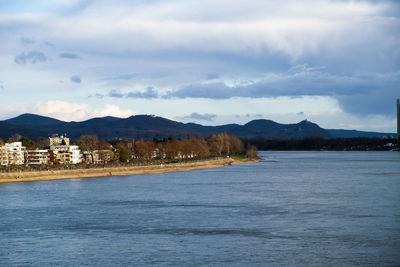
[114,171]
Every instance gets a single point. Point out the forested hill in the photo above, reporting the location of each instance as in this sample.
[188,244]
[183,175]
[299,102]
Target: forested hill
[149,126]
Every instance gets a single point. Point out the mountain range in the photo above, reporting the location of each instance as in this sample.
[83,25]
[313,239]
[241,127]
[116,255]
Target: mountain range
[150,126]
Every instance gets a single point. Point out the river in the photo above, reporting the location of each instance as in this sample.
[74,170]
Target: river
[292,208]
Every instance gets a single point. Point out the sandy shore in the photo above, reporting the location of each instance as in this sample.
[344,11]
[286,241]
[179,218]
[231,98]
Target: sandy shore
[98,172]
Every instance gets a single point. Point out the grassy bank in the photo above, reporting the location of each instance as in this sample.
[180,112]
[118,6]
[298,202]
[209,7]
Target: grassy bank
[111,171]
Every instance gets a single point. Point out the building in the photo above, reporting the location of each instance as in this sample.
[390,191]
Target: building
[75,154]
[398,122]
[62,152]
[56,140]
[3,156]
[12,154]
[37,157]
[98,156]
[65,154]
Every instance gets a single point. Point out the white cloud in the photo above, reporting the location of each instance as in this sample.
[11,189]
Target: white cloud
[288,27]
[65,110]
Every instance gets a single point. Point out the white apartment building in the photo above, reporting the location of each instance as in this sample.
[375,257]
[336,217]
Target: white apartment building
[3,156]
[60,152]
[37,156]
[65,154]
[12,154]
[75,154]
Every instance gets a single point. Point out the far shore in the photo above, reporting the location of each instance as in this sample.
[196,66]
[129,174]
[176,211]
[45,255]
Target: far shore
[115,171]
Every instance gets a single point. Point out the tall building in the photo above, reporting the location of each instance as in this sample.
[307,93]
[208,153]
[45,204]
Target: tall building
[62,152]
[58,141]
[12,154]
[398,122]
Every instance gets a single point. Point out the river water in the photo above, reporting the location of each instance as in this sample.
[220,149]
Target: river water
[292,208]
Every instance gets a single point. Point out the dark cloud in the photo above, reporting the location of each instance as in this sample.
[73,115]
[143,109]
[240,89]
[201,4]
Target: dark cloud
[380,102]
[212,90]
[27,40]
[201,117]
[69,55]
[30,57]
[248,115]
[116,94]
[76,79]
[149,93]
[360,93]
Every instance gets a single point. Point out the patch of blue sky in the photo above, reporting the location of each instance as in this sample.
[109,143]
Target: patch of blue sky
[27,6]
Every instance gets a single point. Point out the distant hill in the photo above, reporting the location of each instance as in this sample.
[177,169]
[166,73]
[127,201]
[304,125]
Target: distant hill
[149,126]
[34,121]
[336,133]
[7,130]
[141,126]
[272,130]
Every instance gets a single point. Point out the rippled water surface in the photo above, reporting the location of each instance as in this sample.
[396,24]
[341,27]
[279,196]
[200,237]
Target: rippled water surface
[292,208]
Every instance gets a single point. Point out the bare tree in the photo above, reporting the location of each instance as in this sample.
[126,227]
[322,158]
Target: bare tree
[237,146]
[41,142]
[89,143]
[104,145]
[144,149]
[251,152]
[216,145]
[15,138]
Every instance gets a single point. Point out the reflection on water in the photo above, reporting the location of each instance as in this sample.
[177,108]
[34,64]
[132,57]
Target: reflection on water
[292,208]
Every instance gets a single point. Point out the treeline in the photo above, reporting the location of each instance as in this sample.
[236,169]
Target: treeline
[319,143]
[219,145]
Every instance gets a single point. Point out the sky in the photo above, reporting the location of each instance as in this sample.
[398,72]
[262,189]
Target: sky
[335,63]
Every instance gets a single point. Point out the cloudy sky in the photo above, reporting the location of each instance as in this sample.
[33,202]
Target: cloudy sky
[336,63]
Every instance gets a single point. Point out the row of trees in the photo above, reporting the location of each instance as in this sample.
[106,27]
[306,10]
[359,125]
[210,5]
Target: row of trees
[215,146]
[319,143]
[219,145]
